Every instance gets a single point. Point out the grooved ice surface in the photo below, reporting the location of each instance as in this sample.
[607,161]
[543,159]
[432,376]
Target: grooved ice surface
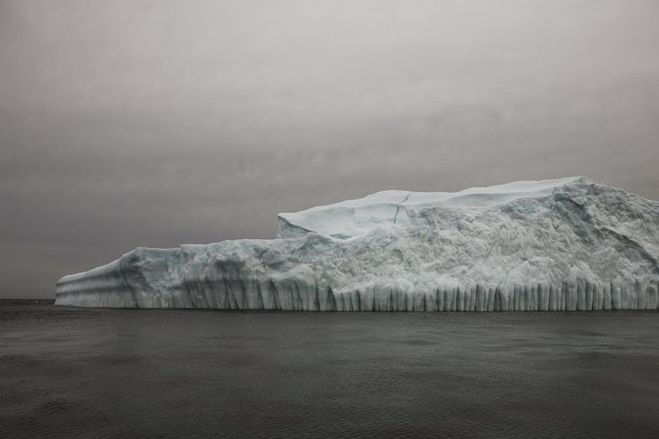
[565,244]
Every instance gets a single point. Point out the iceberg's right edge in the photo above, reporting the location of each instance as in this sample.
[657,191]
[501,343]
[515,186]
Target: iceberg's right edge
[554,245]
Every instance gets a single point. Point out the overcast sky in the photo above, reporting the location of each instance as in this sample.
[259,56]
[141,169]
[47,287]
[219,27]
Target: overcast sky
[156,123]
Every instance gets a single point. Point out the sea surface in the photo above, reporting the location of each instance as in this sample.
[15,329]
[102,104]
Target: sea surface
[110,373]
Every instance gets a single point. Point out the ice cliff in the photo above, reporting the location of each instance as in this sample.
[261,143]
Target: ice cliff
[551,245]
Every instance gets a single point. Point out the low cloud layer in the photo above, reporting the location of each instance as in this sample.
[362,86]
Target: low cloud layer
[158,123]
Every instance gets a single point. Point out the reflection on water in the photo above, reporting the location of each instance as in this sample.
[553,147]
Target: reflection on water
[162,373]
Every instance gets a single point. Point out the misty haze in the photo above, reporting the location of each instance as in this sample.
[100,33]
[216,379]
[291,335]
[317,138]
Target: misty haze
[329,219]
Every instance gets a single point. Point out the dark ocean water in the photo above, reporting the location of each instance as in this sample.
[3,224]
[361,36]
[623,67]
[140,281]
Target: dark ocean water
[98,373]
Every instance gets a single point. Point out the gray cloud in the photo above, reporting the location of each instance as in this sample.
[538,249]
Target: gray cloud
[158,123]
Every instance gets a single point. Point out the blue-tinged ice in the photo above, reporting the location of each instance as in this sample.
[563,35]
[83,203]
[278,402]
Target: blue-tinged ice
[550,245]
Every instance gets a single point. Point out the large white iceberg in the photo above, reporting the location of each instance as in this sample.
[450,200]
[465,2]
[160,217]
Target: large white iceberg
[551,245]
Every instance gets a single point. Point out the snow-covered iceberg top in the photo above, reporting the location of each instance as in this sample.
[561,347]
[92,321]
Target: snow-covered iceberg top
[531,245]
[351,218]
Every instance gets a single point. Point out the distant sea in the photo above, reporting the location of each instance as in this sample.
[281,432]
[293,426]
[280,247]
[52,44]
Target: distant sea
[110,373]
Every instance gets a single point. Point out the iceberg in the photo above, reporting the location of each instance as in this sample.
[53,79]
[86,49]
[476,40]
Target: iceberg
[567,244]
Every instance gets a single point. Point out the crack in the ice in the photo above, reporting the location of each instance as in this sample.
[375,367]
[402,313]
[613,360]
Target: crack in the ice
[399,204]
